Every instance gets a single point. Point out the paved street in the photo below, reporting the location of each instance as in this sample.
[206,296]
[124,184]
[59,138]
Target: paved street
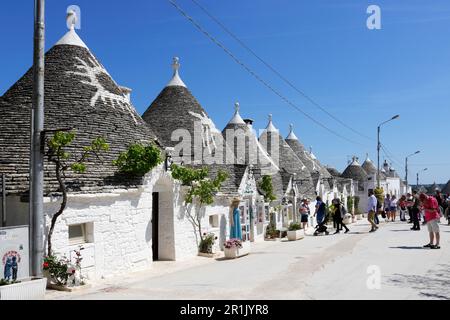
[323,267]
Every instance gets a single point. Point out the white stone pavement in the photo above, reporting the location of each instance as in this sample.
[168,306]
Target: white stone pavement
[322,267]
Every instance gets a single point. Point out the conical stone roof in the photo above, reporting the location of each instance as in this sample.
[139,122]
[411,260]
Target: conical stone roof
[81,95]
[242,141]
[281,153]
[310,162]
[177,112]
[369,167]
[333,172]
[356,172]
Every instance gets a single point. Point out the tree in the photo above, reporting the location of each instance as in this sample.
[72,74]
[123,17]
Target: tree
[266,187]
[201,191]
[379,194]
[57,153]
[350,208]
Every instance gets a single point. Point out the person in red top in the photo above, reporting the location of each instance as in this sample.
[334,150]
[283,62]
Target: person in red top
[432,217]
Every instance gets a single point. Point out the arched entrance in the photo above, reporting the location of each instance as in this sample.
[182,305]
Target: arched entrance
[163,235]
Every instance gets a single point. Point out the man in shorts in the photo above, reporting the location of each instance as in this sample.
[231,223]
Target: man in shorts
[371,210]
[432,217]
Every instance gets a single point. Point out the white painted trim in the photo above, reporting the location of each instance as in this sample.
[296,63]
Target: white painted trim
[71,38]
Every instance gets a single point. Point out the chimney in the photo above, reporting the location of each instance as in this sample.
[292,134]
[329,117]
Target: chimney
[249,123]
[126,92]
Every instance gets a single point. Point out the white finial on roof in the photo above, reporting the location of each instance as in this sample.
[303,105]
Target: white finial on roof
[291,135]
[270,126]
[311,154]
[355,161]
[237,119]
[71,38]
[71,19]
[176,80]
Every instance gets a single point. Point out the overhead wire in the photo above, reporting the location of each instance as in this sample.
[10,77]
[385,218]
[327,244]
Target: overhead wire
[256,76]
[276,72]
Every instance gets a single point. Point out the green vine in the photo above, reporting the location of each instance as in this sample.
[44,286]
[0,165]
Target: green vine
[267,187]
[357,199]
[58,154]
[379,194]
[139,159]
[350,203]
[201,188]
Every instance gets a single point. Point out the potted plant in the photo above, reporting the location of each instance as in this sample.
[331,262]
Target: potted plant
[235,248]
[294,232]
[271,232]
[62,274]
[206,247]
[358,213]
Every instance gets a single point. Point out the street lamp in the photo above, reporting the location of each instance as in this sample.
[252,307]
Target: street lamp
[418,176]
[406,167]
[379,147]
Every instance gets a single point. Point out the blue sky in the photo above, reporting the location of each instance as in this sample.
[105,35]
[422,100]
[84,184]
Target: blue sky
[361,76]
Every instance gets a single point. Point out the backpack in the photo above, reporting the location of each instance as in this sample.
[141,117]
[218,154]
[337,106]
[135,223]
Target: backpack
[322,208]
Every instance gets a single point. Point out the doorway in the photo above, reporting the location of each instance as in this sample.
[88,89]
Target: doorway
[155,225]
[163,228]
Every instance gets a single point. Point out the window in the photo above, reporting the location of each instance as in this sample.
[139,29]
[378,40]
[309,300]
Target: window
[267,214]
[214,221]
[78,234]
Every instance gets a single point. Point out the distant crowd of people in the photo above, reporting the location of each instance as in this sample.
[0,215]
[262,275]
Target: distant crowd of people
[419,208]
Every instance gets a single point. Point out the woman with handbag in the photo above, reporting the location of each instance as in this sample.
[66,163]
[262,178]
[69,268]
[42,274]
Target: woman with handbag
[339,215]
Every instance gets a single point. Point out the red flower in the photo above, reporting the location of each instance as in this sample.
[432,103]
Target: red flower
[45,265]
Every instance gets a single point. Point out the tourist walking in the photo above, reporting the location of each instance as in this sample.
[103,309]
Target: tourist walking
[402,204]
[339,215]
[371,210]
[432,216]
[393,208]
[415,212]
[304,213]
[387,207]
[410,202]
[320,211]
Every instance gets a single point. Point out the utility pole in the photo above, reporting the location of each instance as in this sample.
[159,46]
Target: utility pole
[378,156]
[406,167]
[37,157]
[417,185]
[379,148]
[406,172]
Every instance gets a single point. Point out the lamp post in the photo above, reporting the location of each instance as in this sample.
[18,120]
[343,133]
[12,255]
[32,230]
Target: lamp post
[406,167]
[417,185]
[379,147]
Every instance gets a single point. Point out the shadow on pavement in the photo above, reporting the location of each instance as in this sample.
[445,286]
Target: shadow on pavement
[400,230]
[435,285]
[406,247]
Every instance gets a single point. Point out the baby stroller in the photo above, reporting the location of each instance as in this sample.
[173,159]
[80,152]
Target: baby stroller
[321,228]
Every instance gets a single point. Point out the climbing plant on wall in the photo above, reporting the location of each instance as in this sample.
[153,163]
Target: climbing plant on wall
[64,161]
[201,190]
[266,187]
[379,194]
[139,159]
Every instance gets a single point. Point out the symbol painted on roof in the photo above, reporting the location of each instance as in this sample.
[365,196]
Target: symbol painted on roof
[208,132]
[93,74]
